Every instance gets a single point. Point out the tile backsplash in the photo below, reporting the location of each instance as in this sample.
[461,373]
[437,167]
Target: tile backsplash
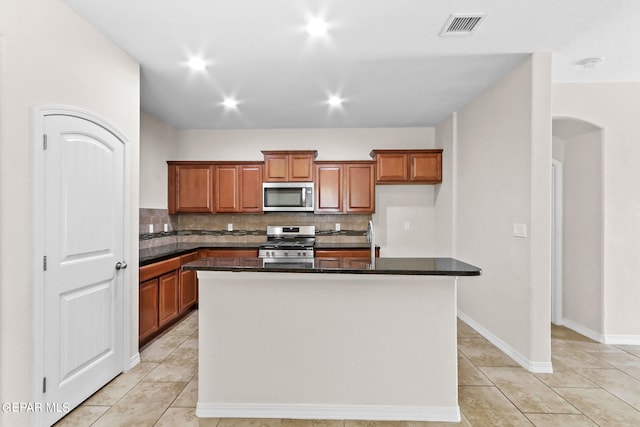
[202,228]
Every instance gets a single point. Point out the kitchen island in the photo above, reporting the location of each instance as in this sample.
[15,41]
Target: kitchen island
[351,341]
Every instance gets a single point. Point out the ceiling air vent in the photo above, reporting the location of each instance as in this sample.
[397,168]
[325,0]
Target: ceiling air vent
[461,24]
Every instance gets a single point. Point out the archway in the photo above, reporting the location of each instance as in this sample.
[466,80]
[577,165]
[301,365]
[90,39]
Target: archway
[577,285]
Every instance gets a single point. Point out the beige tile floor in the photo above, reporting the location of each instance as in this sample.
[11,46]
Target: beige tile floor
[593,385]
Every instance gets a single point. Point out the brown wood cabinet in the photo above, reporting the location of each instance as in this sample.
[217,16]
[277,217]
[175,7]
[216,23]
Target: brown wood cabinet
[228,253]
[408,166]
[344,258]
[345,187]
[360,189]
[215,187]
[168,290]
[344,253]
[289,166]
[188,284]
[227,188]
[329,188]
[238,188]
[148,309]
[166,294]
[190,187]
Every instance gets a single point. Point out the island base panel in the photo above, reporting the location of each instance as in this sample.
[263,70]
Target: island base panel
[346,346]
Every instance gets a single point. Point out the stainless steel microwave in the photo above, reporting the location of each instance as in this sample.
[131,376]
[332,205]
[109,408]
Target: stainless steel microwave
[287,196]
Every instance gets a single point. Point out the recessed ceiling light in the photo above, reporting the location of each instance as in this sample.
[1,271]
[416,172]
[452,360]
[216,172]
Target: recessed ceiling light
[317,27]
[230,103]
[335,101]
[198,64]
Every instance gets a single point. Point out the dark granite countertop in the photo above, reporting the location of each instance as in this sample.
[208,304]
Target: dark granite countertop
[393,266]
[161,253]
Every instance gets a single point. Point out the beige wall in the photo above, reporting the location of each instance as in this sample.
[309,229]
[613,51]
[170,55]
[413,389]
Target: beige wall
[445,211]
[332,144]
[48,55]
[158,143]
[503,178]
[614,107]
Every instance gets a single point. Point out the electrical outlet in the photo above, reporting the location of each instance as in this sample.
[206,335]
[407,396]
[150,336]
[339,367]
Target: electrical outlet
[229,227]
[407,225]
[520,230]
[337,226]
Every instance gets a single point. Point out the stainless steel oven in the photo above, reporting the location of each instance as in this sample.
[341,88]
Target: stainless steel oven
[288,246]
[287,196]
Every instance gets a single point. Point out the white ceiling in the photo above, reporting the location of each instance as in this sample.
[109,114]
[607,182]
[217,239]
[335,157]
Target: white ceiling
[384,57]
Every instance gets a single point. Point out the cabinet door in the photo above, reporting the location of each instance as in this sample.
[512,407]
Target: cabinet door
[148,309]
[329,188]
[251,188]
[360,192]
[168,300]
[188,283]
[276,167]
[188,289]
[227,189]
[300,167]
[392,167]
[190,188]
[426,167]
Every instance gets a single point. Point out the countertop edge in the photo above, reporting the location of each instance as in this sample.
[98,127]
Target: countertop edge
[427,266]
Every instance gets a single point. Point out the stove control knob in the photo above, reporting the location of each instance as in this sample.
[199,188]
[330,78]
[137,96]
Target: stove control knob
[286,254]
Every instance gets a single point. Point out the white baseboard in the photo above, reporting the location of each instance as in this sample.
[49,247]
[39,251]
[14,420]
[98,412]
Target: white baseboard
[582,330]
[328,412]
[133,361]
[621,339]
[609,339]
[531,366]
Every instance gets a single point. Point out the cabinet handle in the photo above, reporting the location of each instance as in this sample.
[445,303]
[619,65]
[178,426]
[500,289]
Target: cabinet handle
[121,265]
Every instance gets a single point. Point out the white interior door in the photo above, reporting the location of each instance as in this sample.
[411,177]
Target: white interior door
[83,242]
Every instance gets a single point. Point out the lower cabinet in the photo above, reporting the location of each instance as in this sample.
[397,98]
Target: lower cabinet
[188,284]
[169,294]
[344,258]
[166,294]
[148,310]
[344,253]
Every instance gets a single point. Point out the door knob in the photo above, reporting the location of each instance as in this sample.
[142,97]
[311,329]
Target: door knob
[121,265]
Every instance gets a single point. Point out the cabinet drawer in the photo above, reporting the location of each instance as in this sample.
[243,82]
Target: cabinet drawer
[225,253]
[159,268]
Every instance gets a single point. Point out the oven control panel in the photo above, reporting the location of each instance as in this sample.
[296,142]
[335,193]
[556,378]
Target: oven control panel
[286,253]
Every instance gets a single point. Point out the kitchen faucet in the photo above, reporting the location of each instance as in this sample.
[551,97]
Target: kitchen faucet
[372,240]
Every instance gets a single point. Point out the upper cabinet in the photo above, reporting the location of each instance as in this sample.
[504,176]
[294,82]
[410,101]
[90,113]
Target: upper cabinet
[289,166]
[238,188]
[215,187]
[345,187]
[190,187]
[408,166]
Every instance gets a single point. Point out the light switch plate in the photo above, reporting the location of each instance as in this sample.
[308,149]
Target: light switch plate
[520,230]
[337,226]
